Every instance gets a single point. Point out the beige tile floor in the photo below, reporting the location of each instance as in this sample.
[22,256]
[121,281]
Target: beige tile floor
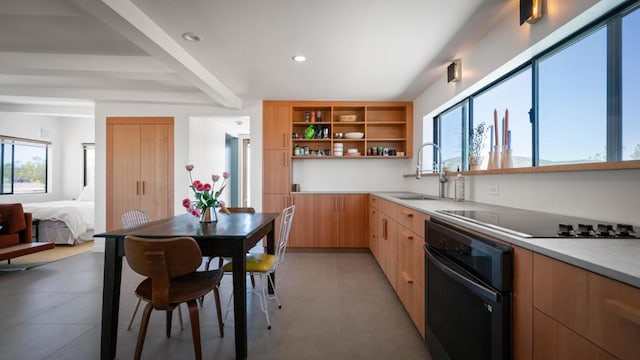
[335,306]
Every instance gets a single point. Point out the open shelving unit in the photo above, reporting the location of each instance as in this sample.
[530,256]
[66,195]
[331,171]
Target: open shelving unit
[384,125]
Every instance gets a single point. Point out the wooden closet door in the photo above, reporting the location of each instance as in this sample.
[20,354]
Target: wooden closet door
[123,172]
[156,170]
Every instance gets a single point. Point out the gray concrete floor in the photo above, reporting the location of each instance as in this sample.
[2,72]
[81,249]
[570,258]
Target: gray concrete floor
[334,306]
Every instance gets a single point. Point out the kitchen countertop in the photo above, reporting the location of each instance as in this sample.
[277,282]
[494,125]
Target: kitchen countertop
[613,258]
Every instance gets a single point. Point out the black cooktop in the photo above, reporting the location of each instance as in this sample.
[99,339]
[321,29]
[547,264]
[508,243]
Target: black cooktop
[526,223]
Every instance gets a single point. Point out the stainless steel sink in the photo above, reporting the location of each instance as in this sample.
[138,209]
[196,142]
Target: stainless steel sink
[411,196]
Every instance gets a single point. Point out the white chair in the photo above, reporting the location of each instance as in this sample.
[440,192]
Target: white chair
[266,264]
[131,219]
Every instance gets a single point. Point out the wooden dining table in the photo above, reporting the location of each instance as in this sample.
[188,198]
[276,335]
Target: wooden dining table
[231,236]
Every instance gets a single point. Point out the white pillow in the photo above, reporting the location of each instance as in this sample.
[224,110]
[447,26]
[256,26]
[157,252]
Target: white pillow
[87,193]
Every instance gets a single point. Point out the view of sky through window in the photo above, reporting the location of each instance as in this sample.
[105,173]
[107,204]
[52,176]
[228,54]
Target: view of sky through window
[631,86]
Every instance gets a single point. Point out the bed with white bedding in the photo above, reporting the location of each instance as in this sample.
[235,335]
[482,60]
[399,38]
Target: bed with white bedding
[65,222]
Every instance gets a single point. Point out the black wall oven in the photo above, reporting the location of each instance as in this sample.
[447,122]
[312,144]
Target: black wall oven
[468,295]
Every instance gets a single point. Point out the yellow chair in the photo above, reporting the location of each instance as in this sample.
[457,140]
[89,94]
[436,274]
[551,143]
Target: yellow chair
[170,266]
[266,264]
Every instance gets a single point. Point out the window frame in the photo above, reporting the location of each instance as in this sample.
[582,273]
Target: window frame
[13,141]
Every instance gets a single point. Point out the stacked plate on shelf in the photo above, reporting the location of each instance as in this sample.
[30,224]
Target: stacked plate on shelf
[353,152]
[338,149]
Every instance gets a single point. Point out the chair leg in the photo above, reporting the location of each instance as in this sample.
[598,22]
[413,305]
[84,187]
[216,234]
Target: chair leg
[133,316]
[180,317]
[275,292]
[263,300]
[195,328]
[216,295]
[146,314]
[168,326]
[226,313]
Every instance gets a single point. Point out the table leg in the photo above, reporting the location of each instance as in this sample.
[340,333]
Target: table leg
[110,299]
[271,249]
[239,261]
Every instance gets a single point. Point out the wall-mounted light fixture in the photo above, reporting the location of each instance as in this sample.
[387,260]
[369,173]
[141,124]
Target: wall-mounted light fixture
[454,71]
[530,11]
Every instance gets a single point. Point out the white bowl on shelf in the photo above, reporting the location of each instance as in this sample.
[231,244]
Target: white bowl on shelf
[354,135]
[352,151]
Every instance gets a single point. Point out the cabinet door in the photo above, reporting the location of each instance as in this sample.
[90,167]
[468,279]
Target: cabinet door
[387,247]
[552,340]
[123,172]
[325,221]
[373,232]
[156,170]
[276,172]
[522,303]
[276,130]
[302,232]
[353,221]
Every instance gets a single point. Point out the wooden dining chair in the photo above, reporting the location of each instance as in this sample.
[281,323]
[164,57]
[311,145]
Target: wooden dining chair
[266,264]
[170,267]
[131,219]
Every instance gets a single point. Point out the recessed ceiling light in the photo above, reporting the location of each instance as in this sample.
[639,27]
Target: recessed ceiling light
[299,58]
[189,36]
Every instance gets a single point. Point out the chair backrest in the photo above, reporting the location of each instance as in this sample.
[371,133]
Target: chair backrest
[133,218]
[161,260]
[283,236]
[247,210]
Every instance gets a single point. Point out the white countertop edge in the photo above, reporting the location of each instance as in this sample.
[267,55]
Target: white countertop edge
[612,258]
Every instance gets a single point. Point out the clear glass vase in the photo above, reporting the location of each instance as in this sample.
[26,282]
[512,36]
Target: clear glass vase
[209,215]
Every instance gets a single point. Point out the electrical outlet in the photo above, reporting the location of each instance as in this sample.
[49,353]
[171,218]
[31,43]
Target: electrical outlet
[494,189]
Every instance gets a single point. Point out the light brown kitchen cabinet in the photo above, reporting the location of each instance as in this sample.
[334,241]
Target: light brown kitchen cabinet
[410,272]
[599,310]
[522,303]
[552,340]
[387,247]
[275,203]
[276,126]
[139,167]
[326,224]
[373,231]
[276,172]
[353,221]
[302,229]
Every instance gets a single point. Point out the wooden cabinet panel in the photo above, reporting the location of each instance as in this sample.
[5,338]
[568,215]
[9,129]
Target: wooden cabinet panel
[156,142]
[276,172]
[387,246]
[302,231]
[326,220]
[275,203]
[373,232]
[276,126]
[560,290]
[353,221]
[411,253]
[552,341]
[411,293]
[139,168]
[411,219]
[614,317]
[522,304]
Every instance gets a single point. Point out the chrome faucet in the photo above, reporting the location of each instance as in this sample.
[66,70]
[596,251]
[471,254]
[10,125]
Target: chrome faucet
[442,177]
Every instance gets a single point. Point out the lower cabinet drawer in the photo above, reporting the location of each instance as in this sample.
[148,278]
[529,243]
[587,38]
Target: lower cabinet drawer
[614,317]
[411,253]
[411,293]
[552,340]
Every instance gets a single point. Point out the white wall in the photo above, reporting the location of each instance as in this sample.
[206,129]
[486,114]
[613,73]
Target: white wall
[65,163]
[606,195]
[182,134]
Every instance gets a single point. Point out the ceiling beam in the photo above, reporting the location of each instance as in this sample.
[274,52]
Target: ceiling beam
[139,28]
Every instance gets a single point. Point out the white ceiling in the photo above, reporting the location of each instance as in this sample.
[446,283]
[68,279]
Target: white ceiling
[133,50]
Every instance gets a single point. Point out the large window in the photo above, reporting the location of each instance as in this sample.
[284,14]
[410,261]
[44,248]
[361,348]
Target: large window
[573,102]
[512,94]
[24,165]
[631,86]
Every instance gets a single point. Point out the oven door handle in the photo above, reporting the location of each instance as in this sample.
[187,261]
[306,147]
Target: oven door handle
[465,281]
